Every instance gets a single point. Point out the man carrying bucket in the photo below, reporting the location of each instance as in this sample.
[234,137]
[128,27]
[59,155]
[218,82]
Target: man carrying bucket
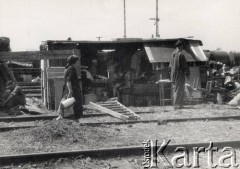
[72,92]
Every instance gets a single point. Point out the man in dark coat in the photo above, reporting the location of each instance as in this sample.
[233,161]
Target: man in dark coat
[14,95]
[179,70]
[72,87]
[13,98]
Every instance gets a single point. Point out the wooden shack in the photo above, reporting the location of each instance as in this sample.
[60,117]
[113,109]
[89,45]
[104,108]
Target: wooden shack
[37,56]
[141,61]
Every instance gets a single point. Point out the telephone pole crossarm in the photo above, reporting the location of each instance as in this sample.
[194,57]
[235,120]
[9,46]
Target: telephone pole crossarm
[156,19]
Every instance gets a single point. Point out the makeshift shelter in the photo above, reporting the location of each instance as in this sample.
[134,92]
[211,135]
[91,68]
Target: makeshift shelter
[121,55]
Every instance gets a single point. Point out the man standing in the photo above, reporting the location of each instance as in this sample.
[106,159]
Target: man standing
[179,69]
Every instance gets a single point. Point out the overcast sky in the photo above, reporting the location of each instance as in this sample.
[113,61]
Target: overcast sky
[28,22]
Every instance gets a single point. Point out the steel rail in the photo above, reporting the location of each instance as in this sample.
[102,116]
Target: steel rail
[8,128]
[106,153]
[50,117]
[160,122]
[221,118]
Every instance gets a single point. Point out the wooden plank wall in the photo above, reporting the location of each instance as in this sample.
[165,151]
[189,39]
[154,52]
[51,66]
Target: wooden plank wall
[44,56]
[58,84]
[53,90]
[37,55]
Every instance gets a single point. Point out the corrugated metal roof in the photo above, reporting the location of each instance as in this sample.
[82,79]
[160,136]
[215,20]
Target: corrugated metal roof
[122,41]
[157,53]
[158,50]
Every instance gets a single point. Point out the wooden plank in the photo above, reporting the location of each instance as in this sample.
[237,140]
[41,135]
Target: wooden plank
[37,55]
[44,65]
[125,111]
[137,116]
[34,95]
[116,109]
[55,75]
[111,106]
[53,72]
[8,56]
[126,114]
[113,113]
[108,104]
[56,69]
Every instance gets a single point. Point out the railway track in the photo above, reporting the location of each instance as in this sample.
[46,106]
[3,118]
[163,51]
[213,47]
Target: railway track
[160,122]
[105,153]
[50,117]
[16,159]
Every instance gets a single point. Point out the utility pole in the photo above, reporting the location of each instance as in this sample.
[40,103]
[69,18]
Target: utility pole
[124,11]
[156,19]
[99,38]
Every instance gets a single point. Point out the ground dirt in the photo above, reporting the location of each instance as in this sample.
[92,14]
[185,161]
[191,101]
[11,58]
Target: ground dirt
[70,135]
[64,135]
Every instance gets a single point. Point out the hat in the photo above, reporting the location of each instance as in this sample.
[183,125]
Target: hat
[179,43]
[72,59]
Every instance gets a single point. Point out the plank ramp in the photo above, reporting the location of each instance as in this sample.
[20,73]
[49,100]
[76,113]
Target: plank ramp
[116,109]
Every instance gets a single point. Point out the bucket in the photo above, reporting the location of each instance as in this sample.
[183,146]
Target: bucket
[68,102]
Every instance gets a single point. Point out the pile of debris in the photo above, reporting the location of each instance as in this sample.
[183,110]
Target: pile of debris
[225,79]
[67,132]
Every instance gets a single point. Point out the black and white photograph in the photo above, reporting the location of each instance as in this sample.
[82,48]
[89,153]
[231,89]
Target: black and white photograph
[119,84]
